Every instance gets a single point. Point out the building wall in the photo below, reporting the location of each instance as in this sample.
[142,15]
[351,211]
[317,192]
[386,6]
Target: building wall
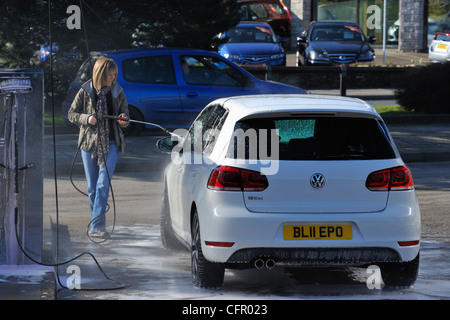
[413,26]
[301,14]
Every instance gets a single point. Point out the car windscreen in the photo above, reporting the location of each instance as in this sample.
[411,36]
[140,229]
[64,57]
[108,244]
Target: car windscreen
[311,138]
[251,34]
[212,71]
[336,33]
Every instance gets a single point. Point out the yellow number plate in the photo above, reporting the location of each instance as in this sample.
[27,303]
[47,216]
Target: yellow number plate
[441,46]
[317,232]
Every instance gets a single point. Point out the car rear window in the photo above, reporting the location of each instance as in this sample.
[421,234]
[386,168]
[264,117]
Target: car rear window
[85,71]
[312,138]
[442,37]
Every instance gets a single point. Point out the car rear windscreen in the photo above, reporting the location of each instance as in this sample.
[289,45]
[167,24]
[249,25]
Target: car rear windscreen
[311,138]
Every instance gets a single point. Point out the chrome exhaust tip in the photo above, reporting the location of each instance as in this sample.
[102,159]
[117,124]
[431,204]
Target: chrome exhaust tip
[259,263]
[270,264]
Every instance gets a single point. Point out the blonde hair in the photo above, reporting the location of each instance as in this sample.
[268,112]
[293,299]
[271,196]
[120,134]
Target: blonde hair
[102,68]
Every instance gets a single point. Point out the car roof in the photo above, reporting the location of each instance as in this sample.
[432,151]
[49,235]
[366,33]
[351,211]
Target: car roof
[330,22]
[140,51]
[241,1]
[273,105]
[444,32]
[252,23]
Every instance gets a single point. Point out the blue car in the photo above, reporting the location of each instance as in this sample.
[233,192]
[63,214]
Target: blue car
[251,43]
[171,86]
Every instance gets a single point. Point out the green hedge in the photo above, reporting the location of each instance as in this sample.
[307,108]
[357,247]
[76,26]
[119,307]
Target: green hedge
[425,89]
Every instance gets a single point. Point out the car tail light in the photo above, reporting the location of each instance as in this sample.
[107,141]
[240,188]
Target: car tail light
[225,178]
[398,178]
[219,244]
[408,243]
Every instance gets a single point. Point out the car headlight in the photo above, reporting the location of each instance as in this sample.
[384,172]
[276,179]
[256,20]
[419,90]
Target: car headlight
[277,56]
[232,56]
[314,55]
[365,55]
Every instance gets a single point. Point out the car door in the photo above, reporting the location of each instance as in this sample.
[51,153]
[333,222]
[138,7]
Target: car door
[199,144]
[150,85]
[204,78]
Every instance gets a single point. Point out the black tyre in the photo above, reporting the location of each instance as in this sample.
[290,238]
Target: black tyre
[205,274]
[168,238]
[400,274]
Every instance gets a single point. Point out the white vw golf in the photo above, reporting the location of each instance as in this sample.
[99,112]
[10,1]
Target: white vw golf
[290,179]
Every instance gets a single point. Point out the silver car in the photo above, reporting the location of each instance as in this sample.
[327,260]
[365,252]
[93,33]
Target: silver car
[439,50]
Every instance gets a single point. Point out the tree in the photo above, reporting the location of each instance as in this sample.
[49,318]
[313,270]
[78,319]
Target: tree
[113,24]
[21,32]
[106,25]
[184,23]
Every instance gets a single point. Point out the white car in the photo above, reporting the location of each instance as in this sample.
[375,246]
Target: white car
[290,179]
[439,50]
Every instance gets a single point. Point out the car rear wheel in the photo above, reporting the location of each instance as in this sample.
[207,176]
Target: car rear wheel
[400,274]
[205,274]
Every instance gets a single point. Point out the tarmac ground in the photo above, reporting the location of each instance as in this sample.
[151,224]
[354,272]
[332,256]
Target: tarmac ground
[418,139]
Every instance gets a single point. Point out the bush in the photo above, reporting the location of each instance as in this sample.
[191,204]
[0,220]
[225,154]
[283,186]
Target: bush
[425,89]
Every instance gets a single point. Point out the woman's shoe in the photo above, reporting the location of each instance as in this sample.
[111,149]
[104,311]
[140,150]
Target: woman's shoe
[99,234]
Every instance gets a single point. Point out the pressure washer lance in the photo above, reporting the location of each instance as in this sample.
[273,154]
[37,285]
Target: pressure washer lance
[136,121]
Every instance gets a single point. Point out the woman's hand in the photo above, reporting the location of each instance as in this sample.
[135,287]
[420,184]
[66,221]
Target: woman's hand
[92,120]
[124,116]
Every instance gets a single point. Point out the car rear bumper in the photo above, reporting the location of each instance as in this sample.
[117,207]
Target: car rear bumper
[438,57]
[314,256]
[376,236]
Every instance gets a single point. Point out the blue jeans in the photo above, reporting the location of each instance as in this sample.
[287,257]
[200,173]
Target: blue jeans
[98,184]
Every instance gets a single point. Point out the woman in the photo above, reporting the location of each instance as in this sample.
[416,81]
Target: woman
[100,138]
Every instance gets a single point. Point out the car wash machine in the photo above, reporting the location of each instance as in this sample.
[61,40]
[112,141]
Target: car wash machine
[21,164]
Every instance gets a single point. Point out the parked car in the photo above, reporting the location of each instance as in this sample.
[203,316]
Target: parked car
[171,86]
[273,12]
[439,50]
[298,179]
[327,43]
[251,43]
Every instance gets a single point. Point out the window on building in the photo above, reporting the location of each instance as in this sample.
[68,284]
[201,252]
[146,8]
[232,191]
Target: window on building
[367,13]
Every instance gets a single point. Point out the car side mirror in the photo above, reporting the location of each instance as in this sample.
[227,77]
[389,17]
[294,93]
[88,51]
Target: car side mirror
[217,41]
[167,144]
[301,39]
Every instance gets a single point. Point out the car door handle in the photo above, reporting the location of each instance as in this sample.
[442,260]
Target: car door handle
[193,173]
[192,94]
